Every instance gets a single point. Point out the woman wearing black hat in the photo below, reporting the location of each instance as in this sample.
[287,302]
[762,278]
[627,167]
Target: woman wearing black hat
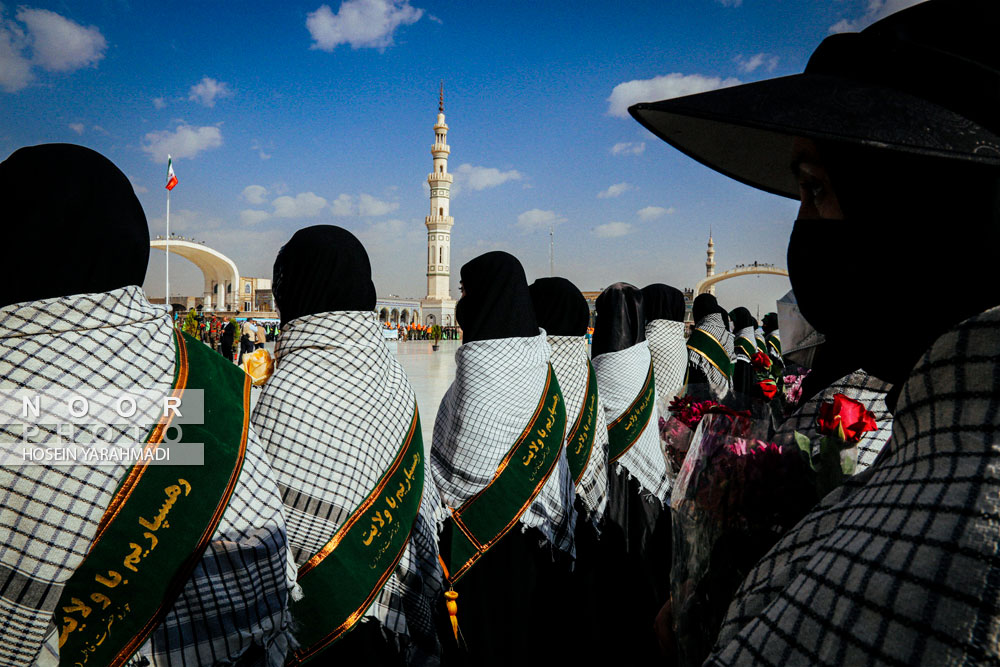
[744,348]
[500,465]
[894,146]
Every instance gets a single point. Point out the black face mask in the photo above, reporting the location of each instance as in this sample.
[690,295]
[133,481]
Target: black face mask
[869,288]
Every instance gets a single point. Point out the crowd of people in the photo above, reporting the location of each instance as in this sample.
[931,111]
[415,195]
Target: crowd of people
[784,492]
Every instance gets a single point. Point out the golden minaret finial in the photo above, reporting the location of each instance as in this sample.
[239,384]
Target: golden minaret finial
[441,98]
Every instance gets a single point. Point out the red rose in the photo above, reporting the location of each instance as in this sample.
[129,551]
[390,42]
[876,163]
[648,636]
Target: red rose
[845,418]
[769,388]
[761,362]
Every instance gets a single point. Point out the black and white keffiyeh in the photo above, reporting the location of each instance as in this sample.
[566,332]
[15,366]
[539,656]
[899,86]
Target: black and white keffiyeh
[570,357]
[747,334]
[665,339]
[859,386]
[498,384]
[237,595]
[620,377]
[900,565]
[332,419]
[719,385]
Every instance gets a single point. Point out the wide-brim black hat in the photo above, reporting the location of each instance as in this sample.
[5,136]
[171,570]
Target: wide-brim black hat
[925,80]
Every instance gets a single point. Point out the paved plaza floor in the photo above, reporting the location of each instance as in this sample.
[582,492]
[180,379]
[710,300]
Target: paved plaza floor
[430,374]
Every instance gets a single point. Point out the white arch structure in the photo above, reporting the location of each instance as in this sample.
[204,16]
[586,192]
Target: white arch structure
[747,270]
[222,278]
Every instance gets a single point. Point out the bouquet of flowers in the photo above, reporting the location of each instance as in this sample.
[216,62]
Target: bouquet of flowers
[793,390]
[834,456]
[767,375]
[734,496]
[677,425]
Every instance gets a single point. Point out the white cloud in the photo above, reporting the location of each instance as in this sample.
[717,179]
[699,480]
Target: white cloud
[343,205]
[255,145]
[159,102]
[254,194]
[481,178]
[15,69]
[537,219]
[360,23]
[57,45]
[616,190]
[663,87]
[184,142]
[877,10]
[137,187]
[208,90]
[628,148]
[302,205]
[612,229]
[372,206]
[61,45]
[730,3]
[755,61]
[251,217]
[654,212]
[76,127]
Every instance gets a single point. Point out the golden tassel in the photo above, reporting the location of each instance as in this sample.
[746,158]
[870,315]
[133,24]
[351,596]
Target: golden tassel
[451,603]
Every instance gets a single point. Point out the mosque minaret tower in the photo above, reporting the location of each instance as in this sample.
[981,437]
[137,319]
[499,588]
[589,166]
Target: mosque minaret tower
[438,307]
[710,262]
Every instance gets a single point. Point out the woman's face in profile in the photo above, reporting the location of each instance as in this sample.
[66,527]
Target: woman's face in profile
[818,201]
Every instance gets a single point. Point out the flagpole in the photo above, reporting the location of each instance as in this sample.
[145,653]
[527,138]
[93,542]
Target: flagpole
[166,299]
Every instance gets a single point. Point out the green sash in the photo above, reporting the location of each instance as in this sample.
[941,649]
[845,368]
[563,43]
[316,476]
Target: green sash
[159,522]
[343,578]
[746,346]
[706,345]
[761,344]
[625,431]
[774,346]
[580,441]
[487,516]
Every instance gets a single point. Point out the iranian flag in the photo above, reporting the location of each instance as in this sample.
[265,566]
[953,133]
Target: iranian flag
[171,177]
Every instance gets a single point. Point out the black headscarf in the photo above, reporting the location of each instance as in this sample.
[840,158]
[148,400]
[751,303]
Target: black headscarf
[706,304]
[621,322]
[769,322]
[73,224]
[559,307]
[662,302]
[322,268]
[496,303]
[742,319]
[912,226]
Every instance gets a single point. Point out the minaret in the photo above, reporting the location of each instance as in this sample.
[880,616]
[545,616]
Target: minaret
[710,262]
[438,307]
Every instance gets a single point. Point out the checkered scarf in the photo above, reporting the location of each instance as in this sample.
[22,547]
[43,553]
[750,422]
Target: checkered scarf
[498,384]
[719,384]
[901,565]
[332,419]
[746,333]
[237,594]
[570,355]
[620,376]
[860,386]
[665,339]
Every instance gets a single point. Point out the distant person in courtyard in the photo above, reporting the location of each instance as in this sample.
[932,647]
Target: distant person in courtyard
[208,549]
[227,339]
[339,422]
[637,529]
[499,463]
[890,130]
[260,337]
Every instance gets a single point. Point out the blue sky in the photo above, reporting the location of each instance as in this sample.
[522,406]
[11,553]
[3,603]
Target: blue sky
[286,114]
